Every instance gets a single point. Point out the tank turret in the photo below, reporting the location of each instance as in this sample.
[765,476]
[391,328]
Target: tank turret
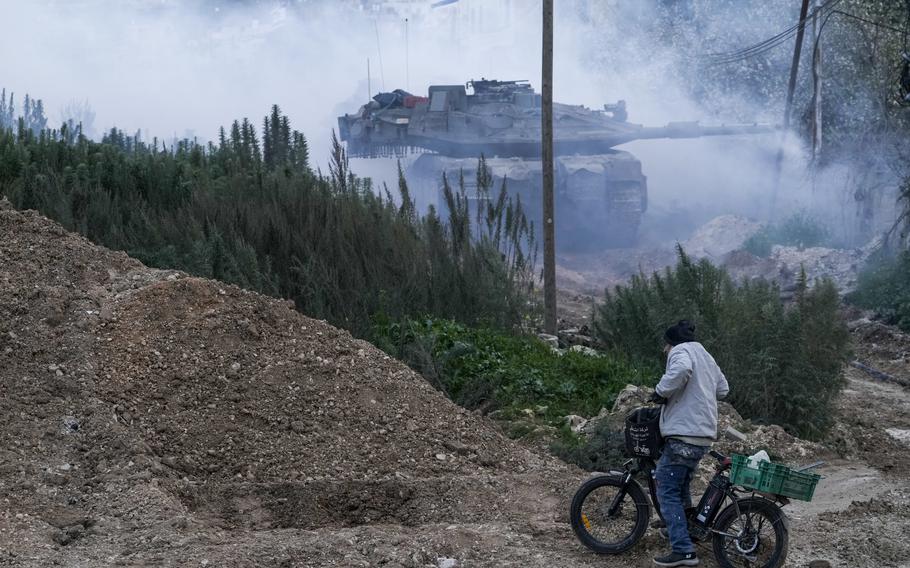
[601,188]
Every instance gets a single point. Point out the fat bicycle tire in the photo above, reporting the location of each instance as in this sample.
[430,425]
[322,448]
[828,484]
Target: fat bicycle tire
[725,548]
[582,524]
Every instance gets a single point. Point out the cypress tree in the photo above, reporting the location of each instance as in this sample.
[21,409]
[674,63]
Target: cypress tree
[268,151]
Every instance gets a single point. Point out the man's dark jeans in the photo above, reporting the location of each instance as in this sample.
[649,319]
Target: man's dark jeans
[674,473]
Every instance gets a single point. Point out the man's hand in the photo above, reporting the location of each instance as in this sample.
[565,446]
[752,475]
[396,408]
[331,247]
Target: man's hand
[657,399]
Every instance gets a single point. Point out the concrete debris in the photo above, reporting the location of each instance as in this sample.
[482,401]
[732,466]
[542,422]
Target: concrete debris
[585,351]
[551,340]
[576,336]
[733,434]
[739,435]
[575,422]
[630,398]
[900,435]
[785,264]
[719,237]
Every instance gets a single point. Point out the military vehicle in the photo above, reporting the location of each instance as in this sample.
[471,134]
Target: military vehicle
[601,193]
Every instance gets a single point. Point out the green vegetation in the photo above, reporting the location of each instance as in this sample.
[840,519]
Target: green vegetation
[250,211]
[491,370]
[600,450]
[884,287]
[799,230]
[783,362]
[884,284]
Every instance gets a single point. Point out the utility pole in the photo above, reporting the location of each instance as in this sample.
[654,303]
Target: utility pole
[549,236]
[794,66]
[791,86]
[817,85]
[407,57]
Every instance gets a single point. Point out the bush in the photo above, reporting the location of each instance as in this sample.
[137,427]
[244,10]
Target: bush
[490,370]
[799,230]
[600,450]
[884,287]
[783,362]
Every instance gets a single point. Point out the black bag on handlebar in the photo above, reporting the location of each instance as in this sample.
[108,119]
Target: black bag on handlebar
[643,439]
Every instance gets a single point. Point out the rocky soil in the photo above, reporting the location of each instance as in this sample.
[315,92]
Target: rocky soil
[152,419]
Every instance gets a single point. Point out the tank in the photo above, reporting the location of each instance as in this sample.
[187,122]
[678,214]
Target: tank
[600,192]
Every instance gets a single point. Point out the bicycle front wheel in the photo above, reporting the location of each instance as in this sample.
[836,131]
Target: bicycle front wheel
[607,516]
[755,535]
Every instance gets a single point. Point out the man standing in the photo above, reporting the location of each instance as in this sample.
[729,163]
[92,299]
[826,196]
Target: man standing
[690,388]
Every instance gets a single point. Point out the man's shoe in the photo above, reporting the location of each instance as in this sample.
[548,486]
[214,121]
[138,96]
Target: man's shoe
[677,559]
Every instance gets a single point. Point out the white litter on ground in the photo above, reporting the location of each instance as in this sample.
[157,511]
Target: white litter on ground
[899,435]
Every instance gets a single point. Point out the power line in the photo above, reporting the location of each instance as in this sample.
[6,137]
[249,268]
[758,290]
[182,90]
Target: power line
[868,21]
[772,42]
[823,12]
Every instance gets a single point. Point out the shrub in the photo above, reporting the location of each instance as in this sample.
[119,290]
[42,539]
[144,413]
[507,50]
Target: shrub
[599,450]
[490,370]
[884,287]
[783,362]
[799,230]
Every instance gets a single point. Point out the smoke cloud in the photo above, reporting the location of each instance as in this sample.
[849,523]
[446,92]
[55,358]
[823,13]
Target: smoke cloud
[174,68]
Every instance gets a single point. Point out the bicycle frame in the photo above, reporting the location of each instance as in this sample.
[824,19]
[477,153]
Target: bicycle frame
[648,466]
[644,465]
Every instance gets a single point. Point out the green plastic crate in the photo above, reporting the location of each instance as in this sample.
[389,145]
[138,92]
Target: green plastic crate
[800,485]
[743,475]
[773,476]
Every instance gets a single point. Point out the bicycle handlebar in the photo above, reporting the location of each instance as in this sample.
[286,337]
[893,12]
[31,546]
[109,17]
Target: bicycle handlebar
[718,456]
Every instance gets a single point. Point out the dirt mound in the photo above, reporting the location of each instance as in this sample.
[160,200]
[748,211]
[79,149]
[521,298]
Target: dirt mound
[140,407]
[223,383]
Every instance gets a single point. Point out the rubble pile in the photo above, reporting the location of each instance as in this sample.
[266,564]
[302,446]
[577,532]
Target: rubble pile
[722,239]
[720,236]
[771,438]
[840,265]
[883,347]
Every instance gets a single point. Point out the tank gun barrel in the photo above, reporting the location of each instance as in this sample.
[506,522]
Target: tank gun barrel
[695,130]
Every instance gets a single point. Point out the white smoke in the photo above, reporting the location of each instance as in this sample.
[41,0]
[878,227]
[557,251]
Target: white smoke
[184,68]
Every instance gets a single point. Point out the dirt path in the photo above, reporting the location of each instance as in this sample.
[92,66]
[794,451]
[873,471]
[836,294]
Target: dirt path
[860,515]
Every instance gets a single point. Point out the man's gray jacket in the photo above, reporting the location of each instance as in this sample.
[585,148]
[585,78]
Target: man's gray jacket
[692,385]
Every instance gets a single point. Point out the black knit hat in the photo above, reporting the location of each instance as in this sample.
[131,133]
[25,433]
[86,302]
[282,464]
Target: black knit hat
[682,332]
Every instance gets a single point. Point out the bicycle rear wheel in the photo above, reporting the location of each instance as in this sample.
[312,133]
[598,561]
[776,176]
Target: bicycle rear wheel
[756,536]
[605,531]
